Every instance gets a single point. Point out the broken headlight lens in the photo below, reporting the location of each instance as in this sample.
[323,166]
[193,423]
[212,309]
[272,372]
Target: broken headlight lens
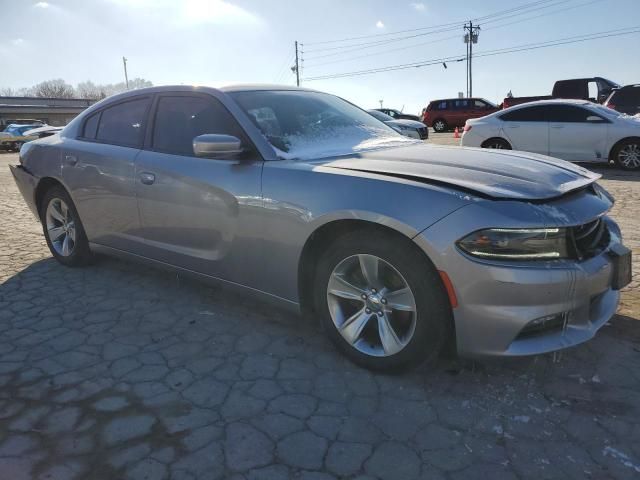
[516,243]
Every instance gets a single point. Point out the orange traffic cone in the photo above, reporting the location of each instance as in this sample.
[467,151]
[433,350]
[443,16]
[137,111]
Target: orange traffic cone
[456,133]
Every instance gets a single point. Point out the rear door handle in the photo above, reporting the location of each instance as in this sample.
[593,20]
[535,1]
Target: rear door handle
[514,126]
[147,178]
[71,160]
[557,126]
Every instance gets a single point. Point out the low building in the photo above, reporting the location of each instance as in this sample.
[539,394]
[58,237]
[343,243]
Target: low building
[52,111]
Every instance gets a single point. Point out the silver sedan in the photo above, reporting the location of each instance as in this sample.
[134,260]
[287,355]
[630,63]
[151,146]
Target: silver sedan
[397,247]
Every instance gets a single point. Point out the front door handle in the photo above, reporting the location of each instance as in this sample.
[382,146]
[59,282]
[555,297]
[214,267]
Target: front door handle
[514,126]
[70,160]
[557,126]
[147,178]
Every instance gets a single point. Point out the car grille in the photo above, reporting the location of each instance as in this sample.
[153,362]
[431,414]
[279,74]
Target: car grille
[589,239]
[424,133]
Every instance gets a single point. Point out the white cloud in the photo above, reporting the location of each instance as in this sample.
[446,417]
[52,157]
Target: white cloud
[17,41]
[41,5]
[419,6]
[379,24]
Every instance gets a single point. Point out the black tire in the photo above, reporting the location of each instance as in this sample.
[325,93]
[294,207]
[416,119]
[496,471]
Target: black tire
[627,162]
[497,143]
[439,125]
[433,318]
[80,254]
[17,146]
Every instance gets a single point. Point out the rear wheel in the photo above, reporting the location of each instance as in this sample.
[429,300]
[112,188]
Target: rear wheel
[439,125]
[497,143]
[63,229]
[627,154]
[382,304]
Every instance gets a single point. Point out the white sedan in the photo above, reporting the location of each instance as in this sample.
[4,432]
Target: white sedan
[573,130]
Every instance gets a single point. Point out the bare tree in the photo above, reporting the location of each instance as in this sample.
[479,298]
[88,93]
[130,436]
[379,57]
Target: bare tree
[56,88]
[90,90]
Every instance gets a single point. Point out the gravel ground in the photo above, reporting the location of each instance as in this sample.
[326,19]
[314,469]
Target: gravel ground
[121,371]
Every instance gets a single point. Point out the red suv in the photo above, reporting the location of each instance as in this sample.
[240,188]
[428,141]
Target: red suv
[442,115]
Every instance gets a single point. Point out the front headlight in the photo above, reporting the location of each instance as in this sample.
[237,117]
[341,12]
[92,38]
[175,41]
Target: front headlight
[516,243]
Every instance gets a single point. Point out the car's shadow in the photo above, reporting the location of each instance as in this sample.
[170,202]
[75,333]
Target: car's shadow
[112,286]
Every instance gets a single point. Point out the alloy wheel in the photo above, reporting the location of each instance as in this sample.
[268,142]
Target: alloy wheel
[629,155]
[60,227]
[439,126]
[371,305]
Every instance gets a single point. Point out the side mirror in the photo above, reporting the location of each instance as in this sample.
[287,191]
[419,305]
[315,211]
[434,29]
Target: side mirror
[594,119]
[214,145]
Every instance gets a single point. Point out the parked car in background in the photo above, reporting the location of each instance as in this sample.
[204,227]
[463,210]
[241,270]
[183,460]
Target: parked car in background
[408,128]
[398,115]
[13,137]
[574,130]
[595,89]
[442,115]
[42,132]
[398,247]
[625,99]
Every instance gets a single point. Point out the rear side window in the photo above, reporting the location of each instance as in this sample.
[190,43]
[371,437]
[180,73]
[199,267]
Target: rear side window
[91,126]
[124,124]
[526,114]
[626,96]
[568,114]
[180,119]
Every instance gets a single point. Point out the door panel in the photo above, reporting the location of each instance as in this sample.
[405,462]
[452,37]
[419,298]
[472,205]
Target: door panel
[572,137]
[528,136]
[101,180]
[200,213]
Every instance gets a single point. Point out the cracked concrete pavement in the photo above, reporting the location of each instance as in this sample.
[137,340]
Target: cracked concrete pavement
[121,371]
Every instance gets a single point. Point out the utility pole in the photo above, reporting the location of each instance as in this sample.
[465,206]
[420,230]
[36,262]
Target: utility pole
[126,77]
[470,37]
[297,67]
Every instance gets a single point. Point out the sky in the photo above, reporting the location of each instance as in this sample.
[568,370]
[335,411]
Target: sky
[221,42]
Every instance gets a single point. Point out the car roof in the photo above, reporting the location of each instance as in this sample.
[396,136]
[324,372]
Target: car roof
[463,98]
[554,101]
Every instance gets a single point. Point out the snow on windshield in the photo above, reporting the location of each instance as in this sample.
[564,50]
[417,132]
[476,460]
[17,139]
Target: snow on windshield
[304,125]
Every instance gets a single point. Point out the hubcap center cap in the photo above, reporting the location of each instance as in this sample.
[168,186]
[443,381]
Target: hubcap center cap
[374,302]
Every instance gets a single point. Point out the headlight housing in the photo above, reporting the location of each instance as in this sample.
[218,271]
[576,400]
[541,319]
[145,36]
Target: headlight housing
[517,244]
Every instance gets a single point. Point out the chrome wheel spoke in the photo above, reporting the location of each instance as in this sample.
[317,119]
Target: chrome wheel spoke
[66,250]
[369,266]
[401,300]
[388,336]
[352,328]
[55,211]
[340,287]
[55,233]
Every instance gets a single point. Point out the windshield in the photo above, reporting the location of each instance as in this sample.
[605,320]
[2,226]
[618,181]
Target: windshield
[383,117]
[305,125]
[606,110]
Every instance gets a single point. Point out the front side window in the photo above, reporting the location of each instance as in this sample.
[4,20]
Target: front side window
[123,124]
[442,105]
[179,119]
[526,114]
[460,104]
[569,114]
[302,125]
[480,104]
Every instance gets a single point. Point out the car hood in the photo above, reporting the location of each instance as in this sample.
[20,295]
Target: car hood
[494,173]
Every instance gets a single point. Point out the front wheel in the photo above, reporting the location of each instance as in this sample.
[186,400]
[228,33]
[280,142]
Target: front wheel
[382,304]
[627,154]
[63,229]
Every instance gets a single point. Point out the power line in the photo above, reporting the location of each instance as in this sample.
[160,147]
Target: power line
[513,49]
[415,45]
[540,4]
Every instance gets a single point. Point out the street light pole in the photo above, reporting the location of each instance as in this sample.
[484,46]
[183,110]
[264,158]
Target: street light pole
[126,77]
